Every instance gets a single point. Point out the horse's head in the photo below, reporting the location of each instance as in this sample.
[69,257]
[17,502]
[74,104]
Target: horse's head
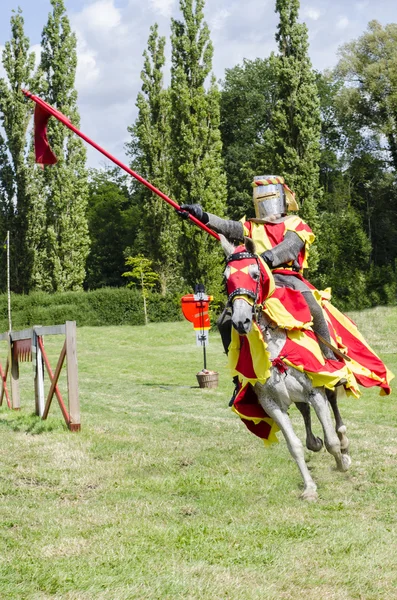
[248,282]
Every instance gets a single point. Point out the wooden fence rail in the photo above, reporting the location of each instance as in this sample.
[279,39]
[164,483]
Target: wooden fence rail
[28,345]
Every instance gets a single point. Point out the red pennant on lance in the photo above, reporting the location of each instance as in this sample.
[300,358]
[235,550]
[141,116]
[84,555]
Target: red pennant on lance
[43,152]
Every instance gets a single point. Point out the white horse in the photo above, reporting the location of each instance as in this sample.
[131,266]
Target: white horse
[281,390]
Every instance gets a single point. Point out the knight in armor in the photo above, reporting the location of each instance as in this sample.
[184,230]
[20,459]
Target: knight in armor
[283,240]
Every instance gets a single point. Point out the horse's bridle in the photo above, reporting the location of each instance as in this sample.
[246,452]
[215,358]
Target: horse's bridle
[256,308]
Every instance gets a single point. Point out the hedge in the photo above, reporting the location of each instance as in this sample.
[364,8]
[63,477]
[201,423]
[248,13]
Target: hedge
[106,306]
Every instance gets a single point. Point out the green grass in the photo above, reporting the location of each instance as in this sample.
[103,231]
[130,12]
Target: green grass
[165,494]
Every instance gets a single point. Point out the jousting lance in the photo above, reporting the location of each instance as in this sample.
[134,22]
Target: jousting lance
[47,108]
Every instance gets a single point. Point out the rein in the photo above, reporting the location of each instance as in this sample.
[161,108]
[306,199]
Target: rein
[256,309]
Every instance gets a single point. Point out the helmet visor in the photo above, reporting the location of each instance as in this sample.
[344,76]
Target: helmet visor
[269,200]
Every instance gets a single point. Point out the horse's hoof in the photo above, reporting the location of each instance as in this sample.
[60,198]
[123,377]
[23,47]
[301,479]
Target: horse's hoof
[309,495]
[314,444]
[345,463]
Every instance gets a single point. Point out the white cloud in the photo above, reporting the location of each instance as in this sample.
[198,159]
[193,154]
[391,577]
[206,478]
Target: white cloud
[100,16]
[104,48]
[311,13]
[343,22]
[219,18]
[88,71]
[163,7]
[244,34]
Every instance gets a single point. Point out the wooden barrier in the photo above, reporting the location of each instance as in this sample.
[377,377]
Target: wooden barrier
[28,345]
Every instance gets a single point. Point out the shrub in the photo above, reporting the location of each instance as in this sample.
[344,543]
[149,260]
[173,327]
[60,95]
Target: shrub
[106,306]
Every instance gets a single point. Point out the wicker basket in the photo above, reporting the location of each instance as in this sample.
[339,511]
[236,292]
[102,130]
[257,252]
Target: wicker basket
[207,380]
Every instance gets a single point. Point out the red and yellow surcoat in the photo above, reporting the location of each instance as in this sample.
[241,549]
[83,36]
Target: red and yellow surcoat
[268,235]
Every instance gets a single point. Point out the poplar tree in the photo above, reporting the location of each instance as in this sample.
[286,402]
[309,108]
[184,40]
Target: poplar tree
[16,192]
[150,152]
[296,118]
[61,260]
[198,175]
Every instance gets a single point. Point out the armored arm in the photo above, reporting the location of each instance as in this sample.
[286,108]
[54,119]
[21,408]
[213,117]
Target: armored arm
[285,251]
[232,230]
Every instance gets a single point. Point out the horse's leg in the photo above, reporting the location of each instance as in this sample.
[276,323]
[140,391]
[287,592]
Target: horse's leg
[312,442]
[294,444]
[319,402]
[340,427]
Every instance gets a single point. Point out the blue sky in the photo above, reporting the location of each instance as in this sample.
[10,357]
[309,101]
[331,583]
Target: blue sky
[112,35]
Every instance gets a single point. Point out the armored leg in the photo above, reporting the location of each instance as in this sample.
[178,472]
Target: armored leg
[319,324]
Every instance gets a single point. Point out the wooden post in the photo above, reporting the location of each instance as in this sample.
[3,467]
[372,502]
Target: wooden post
[4,391]
[73,388]
[38,375]
[16,402]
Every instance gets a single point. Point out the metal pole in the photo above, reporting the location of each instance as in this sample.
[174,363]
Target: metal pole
[202,334]
[8,283]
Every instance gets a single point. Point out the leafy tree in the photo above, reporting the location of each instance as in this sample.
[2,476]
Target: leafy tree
[150,150]
[357,210]
[196,151]
[61,260]
[296,118]
[113,221]
[344,259]
[16,194]
[344,212]
[248,98]
[356,175]
[143,275]
[368,67]
[367,108]
[332,144]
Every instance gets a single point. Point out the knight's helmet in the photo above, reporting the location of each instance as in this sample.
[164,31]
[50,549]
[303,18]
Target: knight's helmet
[272,196]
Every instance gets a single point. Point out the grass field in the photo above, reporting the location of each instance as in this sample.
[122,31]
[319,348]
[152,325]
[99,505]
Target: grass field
[165,494]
